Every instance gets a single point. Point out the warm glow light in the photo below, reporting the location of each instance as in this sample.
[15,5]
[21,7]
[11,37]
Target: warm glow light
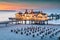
[33,16]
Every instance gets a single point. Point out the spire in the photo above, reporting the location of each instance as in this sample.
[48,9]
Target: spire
[31,10]
[26,11]
[41,12]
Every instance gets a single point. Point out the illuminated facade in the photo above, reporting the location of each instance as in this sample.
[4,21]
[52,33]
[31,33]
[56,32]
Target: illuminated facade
[32,17]
[37,16]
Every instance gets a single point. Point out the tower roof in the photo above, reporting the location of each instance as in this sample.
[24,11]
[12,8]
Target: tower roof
[26,12]
[20,13]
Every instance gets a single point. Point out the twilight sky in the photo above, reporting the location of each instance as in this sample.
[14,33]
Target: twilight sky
[29,4]
[47,6]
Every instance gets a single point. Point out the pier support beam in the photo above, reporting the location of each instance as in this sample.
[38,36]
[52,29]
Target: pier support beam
[25,21]
[47,21]
[29,21]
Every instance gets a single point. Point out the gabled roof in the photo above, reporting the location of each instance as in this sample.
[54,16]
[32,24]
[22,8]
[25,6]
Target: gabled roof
[36,12]
[19,13]
[43,13]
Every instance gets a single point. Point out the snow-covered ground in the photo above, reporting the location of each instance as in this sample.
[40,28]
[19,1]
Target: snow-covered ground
[5,15]
[6,34]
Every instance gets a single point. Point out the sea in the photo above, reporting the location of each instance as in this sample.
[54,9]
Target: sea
[6,34]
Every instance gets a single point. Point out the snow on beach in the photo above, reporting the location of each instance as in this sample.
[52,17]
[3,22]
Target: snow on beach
[6,34]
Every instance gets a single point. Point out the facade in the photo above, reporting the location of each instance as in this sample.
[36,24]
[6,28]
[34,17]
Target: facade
[32,17]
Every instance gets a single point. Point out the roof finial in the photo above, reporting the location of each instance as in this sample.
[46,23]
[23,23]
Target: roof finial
[31,10]
[26,11]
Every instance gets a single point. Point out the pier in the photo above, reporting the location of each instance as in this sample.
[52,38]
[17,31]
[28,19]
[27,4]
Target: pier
[14,20]
[37,17]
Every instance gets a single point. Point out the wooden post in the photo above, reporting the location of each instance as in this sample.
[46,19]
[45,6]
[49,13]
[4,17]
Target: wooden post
[47,21]
[29,21]
[6,24]
[21,22]
[39,22]
[43,22]
[12,21]
[25,21]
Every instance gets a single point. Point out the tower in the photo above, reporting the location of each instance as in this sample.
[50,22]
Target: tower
[26,12]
